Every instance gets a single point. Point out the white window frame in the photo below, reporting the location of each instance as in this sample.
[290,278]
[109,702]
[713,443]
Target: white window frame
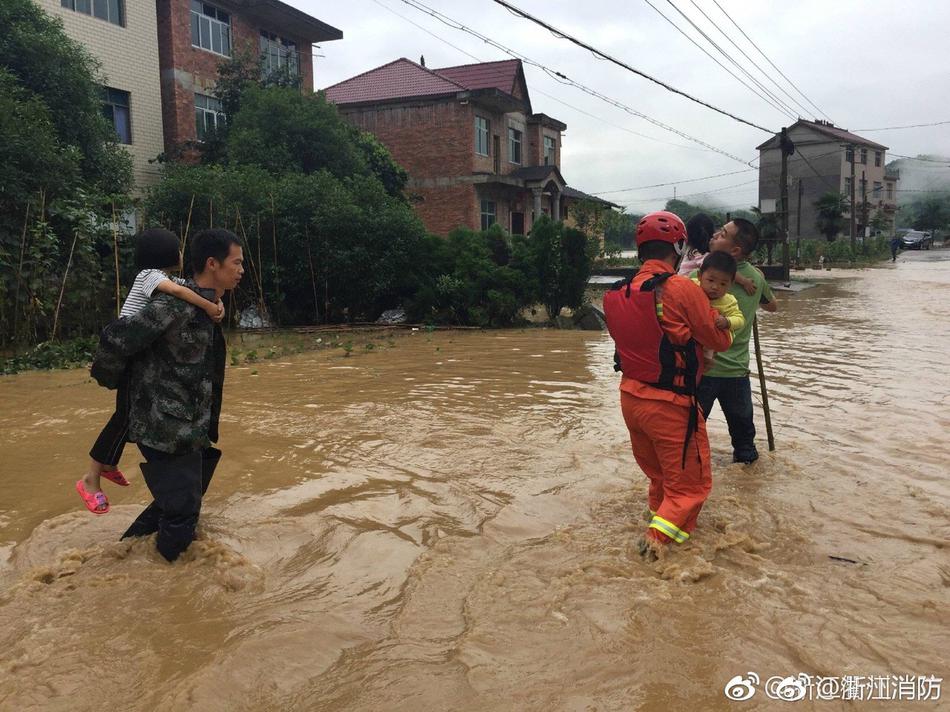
[878,158]
[213,114]
[114,9]
[515,140]
[482,135]
[489,211]
[216,27]
[275,48]
[876,190]
[553,146]
[113,105]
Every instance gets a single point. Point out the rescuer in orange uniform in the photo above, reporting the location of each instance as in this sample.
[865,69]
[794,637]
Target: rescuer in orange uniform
[660,322]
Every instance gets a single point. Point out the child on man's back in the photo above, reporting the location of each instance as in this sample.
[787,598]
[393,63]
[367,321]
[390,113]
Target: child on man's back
[156,254]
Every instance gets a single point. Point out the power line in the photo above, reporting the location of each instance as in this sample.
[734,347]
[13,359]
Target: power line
[770,61]
[702,192]
[563,78]
[754,63]
[428,32]
[676,182]
[785,108]
[538,91]
[706,52]
[579,43]
[909,126]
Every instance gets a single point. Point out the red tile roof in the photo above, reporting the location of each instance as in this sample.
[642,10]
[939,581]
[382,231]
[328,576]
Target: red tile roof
[834,132]
[401,78]
[486,75]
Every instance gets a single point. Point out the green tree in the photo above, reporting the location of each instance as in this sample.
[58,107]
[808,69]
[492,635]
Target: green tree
[932,213]
[830,218]
[561,259]
[61,74]
[61,173]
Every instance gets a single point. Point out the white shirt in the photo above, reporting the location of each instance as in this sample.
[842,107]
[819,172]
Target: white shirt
[142,289]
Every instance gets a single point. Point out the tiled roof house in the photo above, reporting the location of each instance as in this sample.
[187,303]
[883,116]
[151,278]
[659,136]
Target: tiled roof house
[821,164]
[475,153]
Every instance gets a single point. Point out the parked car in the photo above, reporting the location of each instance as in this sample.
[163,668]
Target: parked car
[917,240]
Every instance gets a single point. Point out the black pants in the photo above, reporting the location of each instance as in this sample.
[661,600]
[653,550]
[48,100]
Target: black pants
[111,441]
[177,484]
[735,399]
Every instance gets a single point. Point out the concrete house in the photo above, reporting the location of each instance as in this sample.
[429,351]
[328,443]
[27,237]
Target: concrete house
[475,152]
[194,37]
[123,36]
[160,58]
[821,164]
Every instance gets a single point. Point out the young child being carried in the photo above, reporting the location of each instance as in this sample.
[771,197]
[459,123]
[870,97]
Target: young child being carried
[716,276]
[156,254]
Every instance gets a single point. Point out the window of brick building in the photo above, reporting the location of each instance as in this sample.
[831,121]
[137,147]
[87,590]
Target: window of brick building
[864,155]
[488,214]
[209,115]
[115,107]
[877,159]
[877,190]
[108,10]
[514,145]
[278,55]
[549,150]
[210,28]
[847,186]
[849,155]
[890,191]
[481,135]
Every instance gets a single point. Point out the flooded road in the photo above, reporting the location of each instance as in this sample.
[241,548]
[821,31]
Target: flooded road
[447,524]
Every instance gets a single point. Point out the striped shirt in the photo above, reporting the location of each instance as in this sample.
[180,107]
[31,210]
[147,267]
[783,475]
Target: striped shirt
[142,289]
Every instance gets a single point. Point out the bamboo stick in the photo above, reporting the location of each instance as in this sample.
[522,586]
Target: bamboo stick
[765,395]
[115,249]
[313,277]
[19,271]
[184,237]
[62,289]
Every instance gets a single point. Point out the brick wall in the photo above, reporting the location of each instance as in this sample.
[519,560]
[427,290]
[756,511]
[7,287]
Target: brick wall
[187,70]
[435,144]
[129,59]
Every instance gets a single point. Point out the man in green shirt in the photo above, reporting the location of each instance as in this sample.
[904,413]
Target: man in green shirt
[728,379]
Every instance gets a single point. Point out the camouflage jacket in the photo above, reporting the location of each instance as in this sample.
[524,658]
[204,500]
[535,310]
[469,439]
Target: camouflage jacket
[173,356]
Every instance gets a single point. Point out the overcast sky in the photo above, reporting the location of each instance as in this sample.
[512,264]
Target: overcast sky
[864,63]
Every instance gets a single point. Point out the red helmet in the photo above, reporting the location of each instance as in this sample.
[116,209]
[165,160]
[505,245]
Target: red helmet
[663,226]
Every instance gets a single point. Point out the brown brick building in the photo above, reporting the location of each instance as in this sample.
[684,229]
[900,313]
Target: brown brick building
[475,152]
[194,37]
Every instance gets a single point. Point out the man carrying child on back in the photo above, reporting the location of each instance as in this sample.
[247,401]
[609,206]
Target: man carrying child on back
[728,378]
[173,356]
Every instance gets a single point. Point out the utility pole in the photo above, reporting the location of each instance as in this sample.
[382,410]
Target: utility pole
[853,216]
[788,148]
[798,241]
[864,208]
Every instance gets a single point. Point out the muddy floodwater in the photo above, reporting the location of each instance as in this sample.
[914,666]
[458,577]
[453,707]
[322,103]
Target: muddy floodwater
[447,524]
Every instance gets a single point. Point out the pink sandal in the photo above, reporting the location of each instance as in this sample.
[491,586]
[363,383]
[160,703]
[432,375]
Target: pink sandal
[96,502]
[115,476]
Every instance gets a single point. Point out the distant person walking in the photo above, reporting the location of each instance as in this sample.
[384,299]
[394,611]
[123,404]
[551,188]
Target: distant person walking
[895,246]
[174,355]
